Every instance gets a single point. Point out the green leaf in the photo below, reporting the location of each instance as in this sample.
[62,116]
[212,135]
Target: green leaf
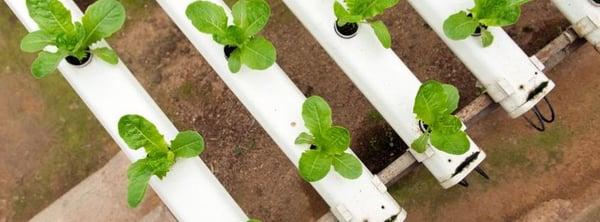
[160,163]
[452,96]
[317,115]
[258,53]
[430,102]
[420,144]
[518,2]
[459,26]
[487,38]
[45,63]
[101,20]
[207,17]
[51,16]
[369,8]
[254,220]
[496,12]
[138,132]
[305,138]
[187,144]
[382,33]
[314,165]
[343,16]
[456,143]
[334,140]
[447,124]
[36,41]
[138,175]
[347,165]
[233,36]
[251,15]
[234,61]
[106,54]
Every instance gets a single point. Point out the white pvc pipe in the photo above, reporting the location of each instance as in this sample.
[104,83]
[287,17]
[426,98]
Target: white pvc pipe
[585,17]
[190,190]
[386,82]
[276,103]
[506,72]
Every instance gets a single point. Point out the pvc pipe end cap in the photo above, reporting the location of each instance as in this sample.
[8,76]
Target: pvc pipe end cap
[460,176]
[515,113]
[401,216]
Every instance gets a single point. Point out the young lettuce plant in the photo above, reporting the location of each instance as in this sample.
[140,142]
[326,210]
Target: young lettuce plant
[328,144]
[434,105]
[486,13]
[242,44]
[138,132]
[365,11]
[71,40]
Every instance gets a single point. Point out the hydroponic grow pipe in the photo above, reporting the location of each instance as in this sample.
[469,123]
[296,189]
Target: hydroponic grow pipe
[386,82]
[190,190]
[511,78]
[276,103]
[585,17]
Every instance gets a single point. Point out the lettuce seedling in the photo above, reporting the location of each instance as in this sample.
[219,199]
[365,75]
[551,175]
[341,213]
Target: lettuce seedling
[365,11]
[486,13]
[328,144]
[249,17]
[434,105]
[138,132]
[71,40]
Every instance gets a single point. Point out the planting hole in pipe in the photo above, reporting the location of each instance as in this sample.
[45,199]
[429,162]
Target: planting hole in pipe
[595,2]
[479,28]
[424,127]
[228,49]
[347,30]
[80,63]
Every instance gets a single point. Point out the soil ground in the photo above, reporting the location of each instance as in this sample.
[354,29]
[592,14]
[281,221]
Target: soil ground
[51,141]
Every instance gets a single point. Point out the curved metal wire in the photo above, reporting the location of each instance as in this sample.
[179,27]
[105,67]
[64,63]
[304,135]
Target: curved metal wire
[540,128]
[541,118]
[552,114]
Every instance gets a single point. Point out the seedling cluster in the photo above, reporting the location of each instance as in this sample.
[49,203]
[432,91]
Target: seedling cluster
[328,144]
[365,11]
[72,40]
[242,44]
[138,132]
[434,105]
[486,13]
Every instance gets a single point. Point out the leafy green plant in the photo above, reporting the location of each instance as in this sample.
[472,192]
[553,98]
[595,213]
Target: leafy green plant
[365,11]
[486,13]
[328,144]
[249,17]
[434,105]
[138,132]
[100,21]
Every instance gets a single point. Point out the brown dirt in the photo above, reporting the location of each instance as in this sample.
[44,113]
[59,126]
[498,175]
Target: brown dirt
[253,169]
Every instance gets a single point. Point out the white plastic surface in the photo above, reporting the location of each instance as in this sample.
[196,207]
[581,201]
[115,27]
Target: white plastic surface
[585,17]
[276,103]
[384,79]
[190,190]
[503,68]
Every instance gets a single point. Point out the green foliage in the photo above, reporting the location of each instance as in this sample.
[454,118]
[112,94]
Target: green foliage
[138,132]
[100,20]
[486,13]
[249,17]
[331,143]
[434,105]
[365,11]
